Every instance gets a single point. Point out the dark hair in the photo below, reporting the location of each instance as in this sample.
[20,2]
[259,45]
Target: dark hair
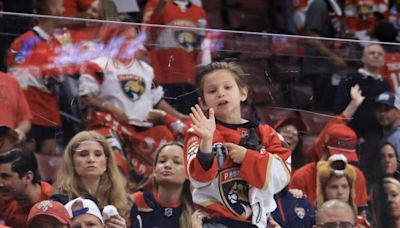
[383,143]
[203,70]
[385,31]
[21,162]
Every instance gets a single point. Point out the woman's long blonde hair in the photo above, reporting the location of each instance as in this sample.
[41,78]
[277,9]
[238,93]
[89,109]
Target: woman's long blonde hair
[185,219]
[111,189]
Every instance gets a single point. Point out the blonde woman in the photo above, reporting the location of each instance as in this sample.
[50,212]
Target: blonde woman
[89,170]
[392,190]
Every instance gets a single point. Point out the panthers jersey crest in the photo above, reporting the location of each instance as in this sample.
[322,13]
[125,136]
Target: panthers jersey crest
[187,40]
[132,85]
[235,192]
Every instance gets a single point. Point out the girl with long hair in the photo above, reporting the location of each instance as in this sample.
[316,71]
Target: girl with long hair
[89,170]
[169,204]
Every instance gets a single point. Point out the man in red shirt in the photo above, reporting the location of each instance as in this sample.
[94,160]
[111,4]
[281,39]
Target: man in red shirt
[20,186]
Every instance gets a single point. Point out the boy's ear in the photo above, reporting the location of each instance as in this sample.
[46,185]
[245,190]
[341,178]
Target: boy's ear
[202,104]
[243,94]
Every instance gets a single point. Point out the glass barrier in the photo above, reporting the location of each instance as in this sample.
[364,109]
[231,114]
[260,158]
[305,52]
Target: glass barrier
[291,80]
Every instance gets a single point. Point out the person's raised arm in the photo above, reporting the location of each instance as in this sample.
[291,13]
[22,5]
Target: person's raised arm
[356,99]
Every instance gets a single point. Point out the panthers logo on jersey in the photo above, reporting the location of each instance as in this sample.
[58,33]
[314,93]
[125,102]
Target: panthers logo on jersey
[133,88]
[187,40]
[235,192]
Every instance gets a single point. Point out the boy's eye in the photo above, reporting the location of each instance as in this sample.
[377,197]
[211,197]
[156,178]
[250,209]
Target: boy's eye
[228,87]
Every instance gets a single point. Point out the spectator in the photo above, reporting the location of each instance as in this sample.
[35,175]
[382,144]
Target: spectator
[121,94]
[320,61]
[84,213]
[15,116]
[241,146]
[48,213]
[29,60]
[89,170]
[292,129]
[335,180]
[169,204]
[389,160]
[364,121]
[335,138]
[293,209]
[362,16]
[334,213]
[392,190]
[176,51]
[388,115]
[20,186]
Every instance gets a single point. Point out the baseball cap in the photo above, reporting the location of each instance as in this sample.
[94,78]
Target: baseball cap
[389,99]
[341,139]
[88,207]
[49,208]
[295,121]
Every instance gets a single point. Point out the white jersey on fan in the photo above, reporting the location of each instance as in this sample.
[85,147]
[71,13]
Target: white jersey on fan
[128,87]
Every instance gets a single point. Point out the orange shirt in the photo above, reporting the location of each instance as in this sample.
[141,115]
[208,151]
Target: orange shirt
[29,59]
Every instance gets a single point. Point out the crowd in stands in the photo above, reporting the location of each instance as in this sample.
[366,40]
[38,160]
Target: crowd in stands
[165,123]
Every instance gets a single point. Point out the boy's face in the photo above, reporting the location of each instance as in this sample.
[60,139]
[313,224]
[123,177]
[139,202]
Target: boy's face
[222,93]
[337,188]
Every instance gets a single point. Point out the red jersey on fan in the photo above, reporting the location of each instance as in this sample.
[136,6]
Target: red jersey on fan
[360,13]
[176,51]
[73,7]
[30,61]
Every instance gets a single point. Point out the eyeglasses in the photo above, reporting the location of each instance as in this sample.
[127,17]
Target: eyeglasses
[336,225]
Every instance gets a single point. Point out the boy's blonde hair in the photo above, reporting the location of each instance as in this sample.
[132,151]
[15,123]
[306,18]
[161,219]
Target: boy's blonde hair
[202,70]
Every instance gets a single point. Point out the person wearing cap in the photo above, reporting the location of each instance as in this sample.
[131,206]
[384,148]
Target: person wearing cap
[89,170]
[48,214]
[388,115]
[335,138]
[20,186]
[15,118]
[292,129]
[84,212]
[371,82]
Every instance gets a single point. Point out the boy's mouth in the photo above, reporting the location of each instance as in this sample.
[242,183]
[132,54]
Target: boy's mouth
[222,103]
